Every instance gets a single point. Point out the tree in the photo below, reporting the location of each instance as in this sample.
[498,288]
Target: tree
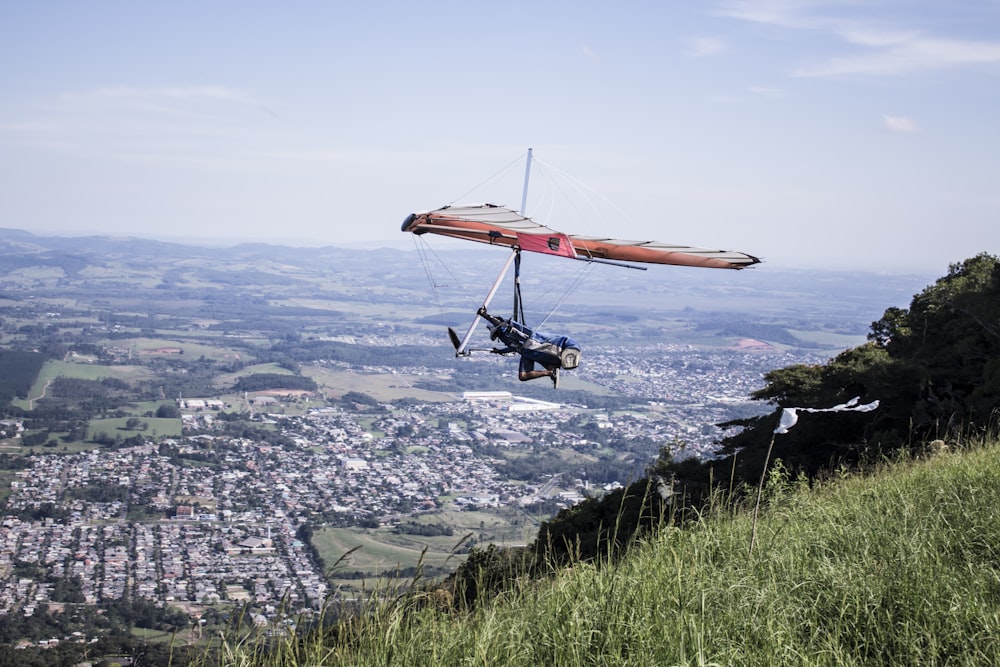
[168,411]
[935,368]
[486,572]
[950,340]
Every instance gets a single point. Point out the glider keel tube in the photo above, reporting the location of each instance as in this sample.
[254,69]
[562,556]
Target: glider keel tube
[461,349]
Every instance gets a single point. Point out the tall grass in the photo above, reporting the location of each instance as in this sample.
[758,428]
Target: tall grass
[900,567]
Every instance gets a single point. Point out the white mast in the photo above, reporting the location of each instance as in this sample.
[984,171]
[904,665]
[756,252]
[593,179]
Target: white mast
[524,193]
[461,346]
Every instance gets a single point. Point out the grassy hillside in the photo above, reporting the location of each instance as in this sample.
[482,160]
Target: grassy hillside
[899,567]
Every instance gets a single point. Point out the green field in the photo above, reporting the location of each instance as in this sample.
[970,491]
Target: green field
[829,339]
[155,427]
[381,387]
[147,348]
[227,380]
[6,477]
[154,635]
[382,553]
[83,371]
[379,553]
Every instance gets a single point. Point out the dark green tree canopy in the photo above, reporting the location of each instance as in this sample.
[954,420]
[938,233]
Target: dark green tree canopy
[934,367]
[951,334]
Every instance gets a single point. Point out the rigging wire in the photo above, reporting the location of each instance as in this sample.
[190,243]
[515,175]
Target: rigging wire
[557,181]
[543,207]
[421,247]
[495,176]
[425,252]
[573,286]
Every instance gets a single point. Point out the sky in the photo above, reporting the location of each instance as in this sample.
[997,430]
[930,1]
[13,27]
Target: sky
[840,134]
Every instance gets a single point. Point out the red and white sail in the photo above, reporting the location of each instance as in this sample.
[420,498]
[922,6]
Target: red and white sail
[499,225]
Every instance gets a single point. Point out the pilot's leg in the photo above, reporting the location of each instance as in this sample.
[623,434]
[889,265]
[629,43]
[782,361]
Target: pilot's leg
[527,371]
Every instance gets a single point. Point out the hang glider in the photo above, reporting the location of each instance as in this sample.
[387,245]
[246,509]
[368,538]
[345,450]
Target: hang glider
[503,226]
[499,225]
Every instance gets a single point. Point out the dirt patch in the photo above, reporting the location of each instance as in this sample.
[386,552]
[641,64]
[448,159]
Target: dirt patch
[752,345]
[283,392]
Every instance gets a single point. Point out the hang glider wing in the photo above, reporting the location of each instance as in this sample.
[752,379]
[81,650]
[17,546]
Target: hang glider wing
[654,252]
[498,225]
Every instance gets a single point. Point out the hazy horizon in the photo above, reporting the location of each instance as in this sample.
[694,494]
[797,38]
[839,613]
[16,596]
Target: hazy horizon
[810,133]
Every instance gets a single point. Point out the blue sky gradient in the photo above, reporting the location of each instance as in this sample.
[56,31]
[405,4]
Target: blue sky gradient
[830,134]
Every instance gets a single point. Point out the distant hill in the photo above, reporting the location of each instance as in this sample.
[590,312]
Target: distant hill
[107,250]
[767,295]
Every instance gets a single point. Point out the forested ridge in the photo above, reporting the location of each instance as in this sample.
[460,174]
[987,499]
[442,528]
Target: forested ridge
[934,368]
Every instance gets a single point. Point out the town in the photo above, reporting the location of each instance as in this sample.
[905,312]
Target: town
[208,519]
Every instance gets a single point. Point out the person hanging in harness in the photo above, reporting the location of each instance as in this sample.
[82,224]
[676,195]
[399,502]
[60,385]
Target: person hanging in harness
[550,352]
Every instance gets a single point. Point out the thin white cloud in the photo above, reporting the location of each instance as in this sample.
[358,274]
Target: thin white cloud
[766,91]
[875,49]
[170,92]
[589,53]
[174,100]
[900,124]
[705,46]
[874,38]
[782,13]
[32,126]
[912,55]
[216,127]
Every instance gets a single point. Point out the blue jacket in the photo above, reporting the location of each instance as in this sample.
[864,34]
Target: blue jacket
[533,345]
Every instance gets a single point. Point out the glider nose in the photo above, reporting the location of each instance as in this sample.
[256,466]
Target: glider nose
[409,221]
